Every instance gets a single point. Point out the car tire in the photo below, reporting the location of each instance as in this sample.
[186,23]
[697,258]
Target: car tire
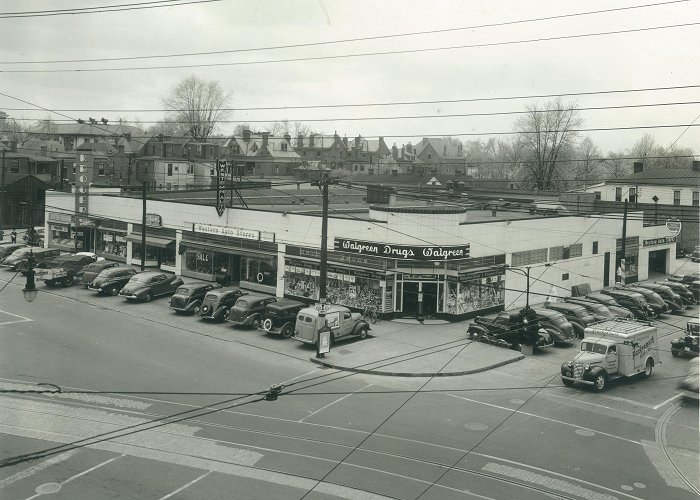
[675,353]
[567,383]
[148,297]
[648,368]
[114,291]
[287,331]
[68,281]
[363,333]
[601,382]
[255,323]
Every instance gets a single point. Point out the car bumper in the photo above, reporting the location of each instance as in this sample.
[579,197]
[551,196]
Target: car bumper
[94,289]
[577,380]
[303,340]
[129,296]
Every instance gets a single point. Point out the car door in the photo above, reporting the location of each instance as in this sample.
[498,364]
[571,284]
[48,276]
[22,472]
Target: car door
[158,284]
[346,323]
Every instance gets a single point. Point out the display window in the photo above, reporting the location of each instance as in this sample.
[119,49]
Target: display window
[111,243]
[199,261]
[467,295]
[262,270]
[60,234]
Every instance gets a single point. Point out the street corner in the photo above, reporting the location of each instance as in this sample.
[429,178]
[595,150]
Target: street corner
[8,318]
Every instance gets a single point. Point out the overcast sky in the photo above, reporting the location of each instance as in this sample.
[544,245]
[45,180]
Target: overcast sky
[655,58]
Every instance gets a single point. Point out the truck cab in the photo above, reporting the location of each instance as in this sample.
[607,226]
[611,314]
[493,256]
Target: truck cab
[613,349]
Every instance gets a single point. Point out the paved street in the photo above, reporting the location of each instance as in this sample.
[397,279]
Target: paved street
[159,406]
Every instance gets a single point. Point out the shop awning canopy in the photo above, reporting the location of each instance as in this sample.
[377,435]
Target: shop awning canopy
[154,241]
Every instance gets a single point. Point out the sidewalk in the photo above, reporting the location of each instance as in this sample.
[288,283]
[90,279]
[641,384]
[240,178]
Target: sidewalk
[406,348]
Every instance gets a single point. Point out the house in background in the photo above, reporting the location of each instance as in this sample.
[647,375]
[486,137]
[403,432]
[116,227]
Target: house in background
[263,155]
[72,135]
[31,161]
[23,200]
[368,155]
[330,150]
[439,156]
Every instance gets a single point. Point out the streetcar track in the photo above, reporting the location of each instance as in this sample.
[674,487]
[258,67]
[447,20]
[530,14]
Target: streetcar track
[346,446]
[661,440]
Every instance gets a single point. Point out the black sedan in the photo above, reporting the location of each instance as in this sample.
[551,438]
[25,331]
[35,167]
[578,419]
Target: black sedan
[149,284]
[111,280]
[188,298]
[217,303]
[91,271]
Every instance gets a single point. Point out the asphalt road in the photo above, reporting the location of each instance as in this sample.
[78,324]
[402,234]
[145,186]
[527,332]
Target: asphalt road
[163,406]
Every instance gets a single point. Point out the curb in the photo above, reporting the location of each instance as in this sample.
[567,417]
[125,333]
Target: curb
[369,371]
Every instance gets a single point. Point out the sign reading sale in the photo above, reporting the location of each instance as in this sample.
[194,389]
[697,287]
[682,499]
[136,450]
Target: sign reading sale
[83,174]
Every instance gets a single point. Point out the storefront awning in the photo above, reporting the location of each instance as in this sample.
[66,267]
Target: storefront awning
[189,245]
[153,241]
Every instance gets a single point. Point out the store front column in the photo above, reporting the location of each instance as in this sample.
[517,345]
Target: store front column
[178,253]
[281,252]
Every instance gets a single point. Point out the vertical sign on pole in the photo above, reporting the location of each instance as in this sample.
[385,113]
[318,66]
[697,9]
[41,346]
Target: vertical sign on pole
[221,166]
[83,174]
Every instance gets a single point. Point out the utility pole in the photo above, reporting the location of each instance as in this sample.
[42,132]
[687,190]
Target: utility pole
[323,182]
[2,191]
[143,219]
[623,263]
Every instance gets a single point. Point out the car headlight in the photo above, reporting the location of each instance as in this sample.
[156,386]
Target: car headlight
[587,367]
[570,364]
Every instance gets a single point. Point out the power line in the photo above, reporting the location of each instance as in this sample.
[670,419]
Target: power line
[355,55]
[416,117]
[329,42]
[398,103]
[106,8]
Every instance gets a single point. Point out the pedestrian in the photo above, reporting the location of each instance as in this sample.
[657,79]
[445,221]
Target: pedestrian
[13,236]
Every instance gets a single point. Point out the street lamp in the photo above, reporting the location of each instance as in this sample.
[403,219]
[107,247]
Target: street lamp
[527,277]
[30,291]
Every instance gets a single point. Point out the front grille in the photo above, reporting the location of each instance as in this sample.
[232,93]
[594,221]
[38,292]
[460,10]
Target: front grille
[179,302]
[578,370]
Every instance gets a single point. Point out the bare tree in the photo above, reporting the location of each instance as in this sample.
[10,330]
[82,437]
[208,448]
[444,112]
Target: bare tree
[199,105]
[547,133]
[45,128]
[17,131]
[586,168]
[616,165]
[169,126]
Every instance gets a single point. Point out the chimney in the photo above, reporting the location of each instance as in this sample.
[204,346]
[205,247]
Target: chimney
[345,141]
[637,167]
[121,148]
[43,150]
[265,138]
[696,166]
[444,150]
[127,136]
[460,150]
[246,135]
[311,140]
[357,142]
[288,138]
[409,148]
[160,137]
[300,140]
[394,151]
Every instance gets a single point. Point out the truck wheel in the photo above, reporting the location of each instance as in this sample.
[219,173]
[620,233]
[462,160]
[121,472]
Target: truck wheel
[287,331]
[600,382]
[675,353]
[148,297]
[68,281]
[363,333]
[567,383]
[648,368]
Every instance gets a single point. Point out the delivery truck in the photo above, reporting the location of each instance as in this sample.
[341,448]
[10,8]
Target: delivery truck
[613,349]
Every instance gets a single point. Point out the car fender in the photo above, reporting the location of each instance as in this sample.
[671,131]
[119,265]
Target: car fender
[193,304]
[591,374]
[359,326]
[474,330]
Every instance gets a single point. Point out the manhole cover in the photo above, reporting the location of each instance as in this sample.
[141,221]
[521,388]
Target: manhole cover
[48,488]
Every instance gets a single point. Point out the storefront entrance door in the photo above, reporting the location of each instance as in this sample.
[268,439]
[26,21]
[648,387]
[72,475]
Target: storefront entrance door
[430,293]
[657,261]
[410,298]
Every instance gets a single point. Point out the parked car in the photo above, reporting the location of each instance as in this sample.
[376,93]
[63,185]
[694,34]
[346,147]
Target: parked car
[577,315]
[695,256]
[633,301]
[686,295]
[111,280]
[611,304]
[653,299]
[8,248]
[339,319]
[189,297]
[671,298]
[217,303]
[555,323]
[150,284]
[17,261]
[91,271]
[508,329]
[598,311]
[62,270]
[280,316]
[248,310]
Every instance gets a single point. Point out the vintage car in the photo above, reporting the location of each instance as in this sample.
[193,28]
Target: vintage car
[690,342]
[17,260]
[577,315]
[653,299]
[598,311]
[218,302]
[280,316]
[111,280]
[8,248]
[611,304]
[188,298]
[686,295]
[249,309]
[91,271]
[604,306]
[556,324]
[342,323]
[671,298]
[508,329]
[149,284]
[635,302]
[62,270]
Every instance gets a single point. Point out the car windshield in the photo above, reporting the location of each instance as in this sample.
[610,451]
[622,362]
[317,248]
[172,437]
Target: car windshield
[183,290]
[591,347]
[141,279]
[602,310]
[241,303]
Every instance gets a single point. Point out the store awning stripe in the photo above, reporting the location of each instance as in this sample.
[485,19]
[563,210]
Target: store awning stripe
[153,241]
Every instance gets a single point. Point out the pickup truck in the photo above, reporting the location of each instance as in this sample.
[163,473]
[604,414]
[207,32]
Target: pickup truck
[62,270]
[505,330]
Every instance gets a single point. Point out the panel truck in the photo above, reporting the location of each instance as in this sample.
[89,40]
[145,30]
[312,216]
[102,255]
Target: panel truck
[613,349]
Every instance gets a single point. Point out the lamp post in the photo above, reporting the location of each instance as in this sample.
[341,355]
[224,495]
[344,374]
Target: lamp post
[527,277]
[30,291]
